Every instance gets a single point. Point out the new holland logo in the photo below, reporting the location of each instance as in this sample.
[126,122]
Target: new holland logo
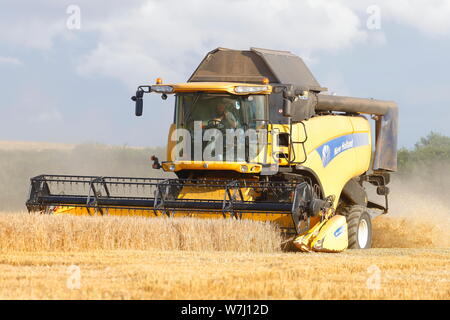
[326,153]
[331,149]
[339,231]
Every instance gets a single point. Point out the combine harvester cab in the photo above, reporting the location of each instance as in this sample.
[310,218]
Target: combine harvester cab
[254,137]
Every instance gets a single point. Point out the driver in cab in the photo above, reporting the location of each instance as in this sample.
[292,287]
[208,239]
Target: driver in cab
[225,117]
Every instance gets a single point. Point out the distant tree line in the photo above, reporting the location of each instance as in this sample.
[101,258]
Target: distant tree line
[432,150]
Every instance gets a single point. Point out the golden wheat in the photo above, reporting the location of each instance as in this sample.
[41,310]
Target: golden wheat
[35,232]
[141,258]
[415,221]
[400,232]
[131,274]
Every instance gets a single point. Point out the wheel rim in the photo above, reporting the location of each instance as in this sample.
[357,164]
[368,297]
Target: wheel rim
[363,233]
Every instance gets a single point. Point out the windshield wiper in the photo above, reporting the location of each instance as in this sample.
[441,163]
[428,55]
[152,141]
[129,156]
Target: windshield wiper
[188,116]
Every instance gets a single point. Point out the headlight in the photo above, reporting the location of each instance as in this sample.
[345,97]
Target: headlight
[162,89]
[245,89]
[172,167]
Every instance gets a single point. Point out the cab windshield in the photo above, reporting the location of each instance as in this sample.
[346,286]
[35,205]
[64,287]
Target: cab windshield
[222,111]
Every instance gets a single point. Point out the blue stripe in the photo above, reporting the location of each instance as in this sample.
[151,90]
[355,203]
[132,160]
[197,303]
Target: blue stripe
[330,149]
[339,231]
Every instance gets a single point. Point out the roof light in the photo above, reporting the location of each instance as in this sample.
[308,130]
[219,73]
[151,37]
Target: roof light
[248,89]
[162,89]
[158,81]
[265,80]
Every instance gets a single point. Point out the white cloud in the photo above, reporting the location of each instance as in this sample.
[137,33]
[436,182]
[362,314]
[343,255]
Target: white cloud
[39,24]
[151,40]
[168,38]
[31,31]
[139,40]
[431,17]
[310,24]
[10,61]
[35,107]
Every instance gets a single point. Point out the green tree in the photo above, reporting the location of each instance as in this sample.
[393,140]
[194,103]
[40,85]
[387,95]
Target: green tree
[432,149]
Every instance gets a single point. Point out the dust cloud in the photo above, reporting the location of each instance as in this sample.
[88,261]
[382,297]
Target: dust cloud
[18,165]
[419,210]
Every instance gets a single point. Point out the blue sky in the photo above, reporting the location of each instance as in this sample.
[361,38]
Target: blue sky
[74,85]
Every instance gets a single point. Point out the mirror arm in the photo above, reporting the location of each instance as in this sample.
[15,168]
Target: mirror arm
[288,97]
[138,99]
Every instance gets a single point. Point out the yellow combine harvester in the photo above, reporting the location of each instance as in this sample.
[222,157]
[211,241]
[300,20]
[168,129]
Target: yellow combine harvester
[254,138]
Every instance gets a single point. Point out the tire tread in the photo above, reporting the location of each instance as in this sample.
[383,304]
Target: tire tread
[353,214]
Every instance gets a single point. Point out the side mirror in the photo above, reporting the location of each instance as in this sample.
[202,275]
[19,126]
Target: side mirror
[288,95]
[287,106]
[139,102]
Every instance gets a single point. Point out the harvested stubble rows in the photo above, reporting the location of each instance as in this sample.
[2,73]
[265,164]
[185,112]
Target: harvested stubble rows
[139,258]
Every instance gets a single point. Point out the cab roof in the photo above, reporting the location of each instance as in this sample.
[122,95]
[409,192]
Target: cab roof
[252,66]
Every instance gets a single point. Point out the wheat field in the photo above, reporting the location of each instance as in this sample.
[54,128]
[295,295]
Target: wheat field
[36,233]
[139,258]
[66,257]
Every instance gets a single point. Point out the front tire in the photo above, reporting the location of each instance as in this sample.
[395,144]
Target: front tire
[359,226]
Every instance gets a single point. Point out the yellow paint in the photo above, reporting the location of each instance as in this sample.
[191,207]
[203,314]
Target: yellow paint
[327,240]
[170,143]
[345,166]
[283,220]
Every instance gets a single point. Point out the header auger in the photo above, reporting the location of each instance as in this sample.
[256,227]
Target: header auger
[253,137]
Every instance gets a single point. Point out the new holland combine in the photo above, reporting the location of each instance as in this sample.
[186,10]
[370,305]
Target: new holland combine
[253,137]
